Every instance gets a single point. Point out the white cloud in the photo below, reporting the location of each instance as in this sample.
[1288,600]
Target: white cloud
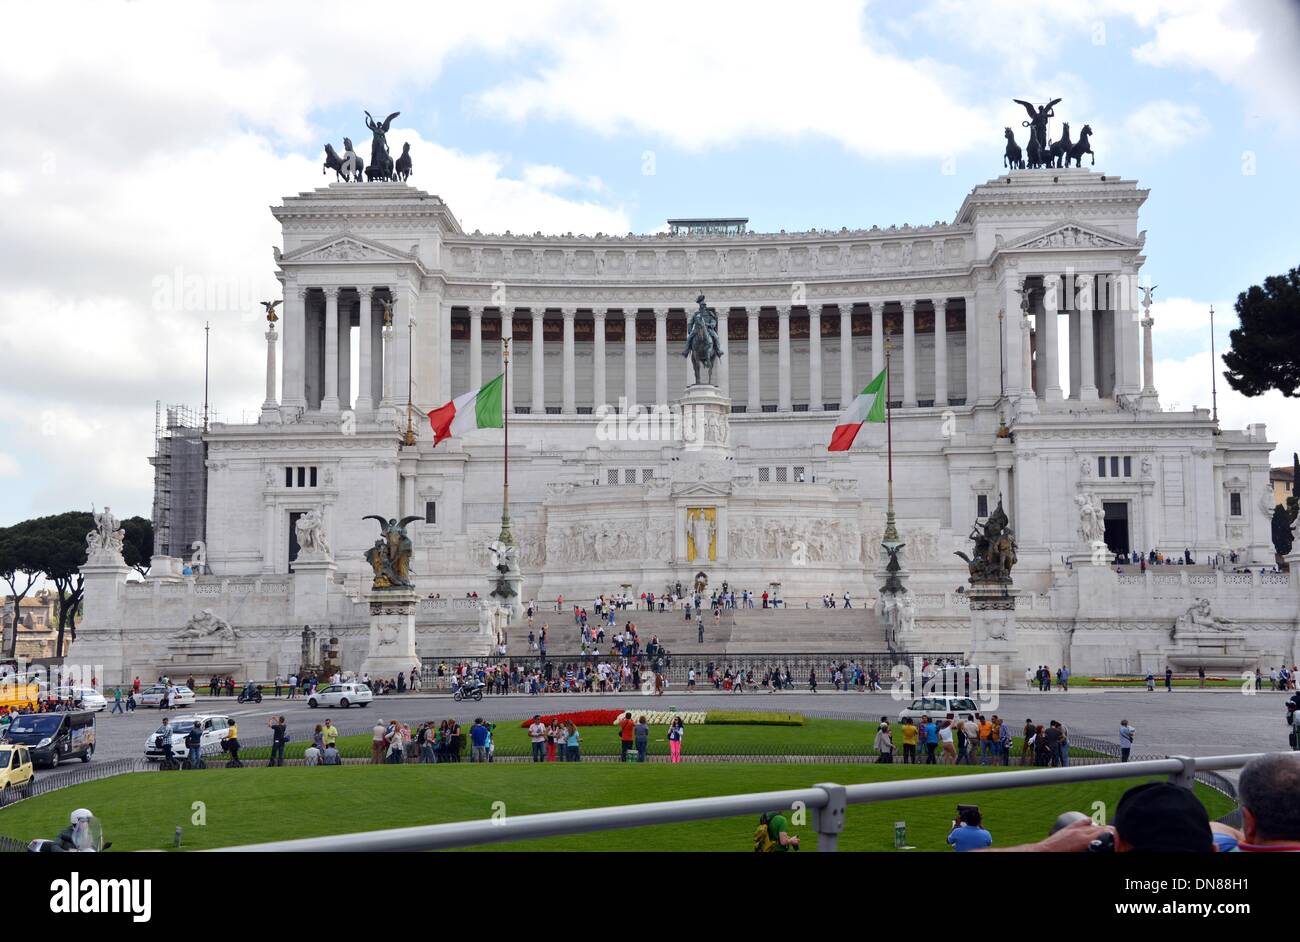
[1163,126]
[9,467]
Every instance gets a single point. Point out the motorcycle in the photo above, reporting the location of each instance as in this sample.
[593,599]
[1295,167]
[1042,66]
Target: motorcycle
[250,695]
[472,691]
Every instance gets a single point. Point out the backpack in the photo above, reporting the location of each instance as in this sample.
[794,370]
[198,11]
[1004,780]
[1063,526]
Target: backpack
[764,843]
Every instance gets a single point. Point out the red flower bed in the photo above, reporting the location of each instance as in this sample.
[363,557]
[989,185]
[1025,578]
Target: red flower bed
[580,718]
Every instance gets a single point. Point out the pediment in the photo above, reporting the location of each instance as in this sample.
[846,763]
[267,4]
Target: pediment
[702,489]
[1072,235]
[346,247]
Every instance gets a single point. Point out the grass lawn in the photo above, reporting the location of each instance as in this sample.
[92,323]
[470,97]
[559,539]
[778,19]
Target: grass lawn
[141,811]
[817,737]
[1218,681]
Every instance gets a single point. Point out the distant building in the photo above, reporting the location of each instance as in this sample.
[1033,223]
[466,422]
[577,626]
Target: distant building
[38,626]
[1282,481]
[180,488]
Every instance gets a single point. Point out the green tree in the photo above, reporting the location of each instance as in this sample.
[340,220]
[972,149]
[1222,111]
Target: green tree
[137,547]
[1281,533]
[1265,352]
[19,571]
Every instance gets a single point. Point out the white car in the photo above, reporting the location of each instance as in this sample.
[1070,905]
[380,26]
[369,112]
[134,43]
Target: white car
[215,729]
[341,696]
[91,699]
[155,695]
[938,707]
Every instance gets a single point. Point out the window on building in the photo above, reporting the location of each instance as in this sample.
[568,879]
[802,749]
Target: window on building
[1128,466]
[764,475]
[629,475]
[1101,467]
[430,511]
[647,475]
[611,476]
[782,475]
[302,477]
[798,474]
[1114,466]
[1234,503]
[981,505]
[288,477]
[312,476]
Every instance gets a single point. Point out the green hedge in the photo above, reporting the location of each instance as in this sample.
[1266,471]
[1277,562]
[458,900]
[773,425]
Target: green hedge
[725,718]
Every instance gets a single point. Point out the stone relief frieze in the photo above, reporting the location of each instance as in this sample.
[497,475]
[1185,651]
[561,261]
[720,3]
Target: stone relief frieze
[824,540]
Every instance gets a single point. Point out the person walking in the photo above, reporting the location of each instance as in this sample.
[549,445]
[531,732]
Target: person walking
[1125,740]
[117,701]
[884,743]
[1005,741]
[946,733]
[377,736]
[675,732]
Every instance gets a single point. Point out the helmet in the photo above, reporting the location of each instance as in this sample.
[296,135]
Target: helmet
[81,814]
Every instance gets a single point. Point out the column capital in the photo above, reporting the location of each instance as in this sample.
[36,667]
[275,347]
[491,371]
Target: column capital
[569,313]
[271,335]
[330,291]
[723,313]
[661,314]
[476,311]
[302,292]
[909,304]
[366,291]
[630,313]
[813,306]
[783,310]
[598,314]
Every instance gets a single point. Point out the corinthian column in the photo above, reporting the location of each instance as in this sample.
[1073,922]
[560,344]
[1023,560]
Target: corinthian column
[724,367]
[270,408]
[598,358]
[537,403]
[909,354]
[330,403]
[814,358]
[570,404]
[847,391]
[629,356]
[784,402]
[366,352]
[661,356]
[475,348]
[755,403]
[941,353]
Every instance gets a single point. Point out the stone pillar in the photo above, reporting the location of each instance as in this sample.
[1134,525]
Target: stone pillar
[970,305]
[295,348]
[941,353]
[598,358]
[537,402]
[847,392]
[570,406]
[475,348]
[784,403]
[1048,342]
[365,351]
[815,358]
[1087,356]
[877,337]
[508,333]
[330,402]
[754,402]
[661,356]
[270,408]
[629,356]
[345,359]
[1148,359]
[909,354]
[724,365]
[1028,400]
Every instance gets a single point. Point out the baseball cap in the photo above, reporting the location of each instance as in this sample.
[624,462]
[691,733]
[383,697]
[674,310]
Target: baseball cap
[1160,817]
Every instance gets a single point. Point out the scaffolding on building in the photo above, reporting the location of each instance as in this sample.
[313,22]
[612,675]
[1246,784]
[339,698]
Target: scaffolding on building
[180,490]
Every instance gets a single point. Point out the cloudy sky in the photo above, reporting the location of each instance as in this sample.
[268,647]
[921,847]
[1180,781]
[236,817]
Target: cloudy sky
[144,142]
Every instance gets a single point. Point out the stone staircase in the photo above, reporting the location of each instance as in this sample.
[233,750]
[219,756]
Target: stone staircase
[743,631]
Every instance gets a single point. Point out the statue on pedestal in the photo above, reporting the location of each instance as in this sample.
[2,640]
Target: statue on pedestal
[108,535]
[995,550]
[1092,518]
[390,557]
[1199,618]
[310,530]
[703,346]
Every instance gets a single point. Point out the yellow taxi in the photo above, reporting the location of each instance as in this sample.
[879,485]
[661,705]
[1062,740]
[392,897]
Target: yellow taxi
[16,774]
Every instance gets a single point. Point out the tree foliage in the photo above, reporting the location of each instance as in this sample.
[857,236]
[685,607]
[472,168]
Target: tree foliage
[137,547]
[18,571]
[1265,352]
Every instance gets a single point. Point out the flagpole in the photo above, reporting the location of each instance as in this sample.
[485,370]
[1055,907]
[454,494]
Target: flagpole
[891,532]
[506,536]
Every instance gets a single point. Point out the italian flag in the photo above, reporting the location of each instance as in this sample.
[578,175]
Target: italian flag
[869,406]
[482,408]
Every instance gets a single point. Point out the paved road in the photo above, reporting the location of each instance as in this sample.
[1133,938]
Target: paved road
[1187,722]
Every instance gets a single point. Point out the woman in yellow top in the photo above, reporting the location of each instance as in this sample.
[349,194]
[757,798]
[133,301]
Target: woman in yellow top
[909,740]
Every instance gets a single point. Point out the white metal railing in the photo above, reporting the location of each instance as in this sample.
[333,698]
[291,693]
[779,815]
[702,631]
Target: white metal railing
[828,802]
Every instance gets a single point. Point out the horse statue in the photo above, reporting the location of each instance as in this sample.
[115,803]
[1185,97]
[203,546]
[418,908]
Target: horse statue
[404,163]
[702,343]
[1059,152]
[1012,159]
[381,161]
[995,550]
[342,169]
[1082,147]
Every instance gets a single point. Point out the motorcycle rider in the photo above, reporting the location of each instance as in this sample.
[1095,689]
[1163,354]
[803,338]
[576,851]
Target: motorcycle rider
[82,832]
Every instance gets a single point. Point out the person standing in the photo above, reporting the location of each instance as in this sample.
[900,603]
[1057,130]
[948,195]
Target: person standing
[1125,740]
[1151,682]
[641,736]
[909,741]
[1200,673]
[699,626]
[572,743]
[675,732]
[1026,744]
[931,740]
[278,739]
[884,742]
[1005,741]
[478,736]
[1169,680]
[377,736]
[946,733]
[626,730]
[537,736]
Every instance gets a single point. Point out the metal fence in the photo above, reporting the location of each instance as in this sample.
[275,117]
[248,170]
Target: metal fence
[89,772]
[676,665]
[828,801]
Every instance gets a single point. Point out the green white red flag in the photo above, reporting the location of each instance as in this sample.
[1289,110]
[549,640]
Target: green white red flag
[482,408]
[868,406]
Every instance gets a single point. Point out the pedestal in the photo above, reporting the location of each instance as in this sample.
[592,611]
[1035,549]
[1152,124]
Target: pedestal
[392,633]
[706,421]
[1098,555]
[312,577]
[994,646]
[1213,650]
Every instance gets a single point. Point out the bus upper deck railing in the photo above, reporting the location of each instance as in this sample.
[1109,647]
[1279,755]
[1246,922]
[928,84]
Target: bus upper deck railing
[827,801]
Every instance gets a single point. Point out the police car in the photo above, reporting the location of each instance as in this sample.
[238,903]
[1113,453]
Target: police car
[215,729]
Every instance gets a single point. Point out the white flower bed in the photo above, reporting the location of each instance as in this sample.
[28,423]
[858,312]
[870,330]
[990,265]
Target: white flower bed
[664,717]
